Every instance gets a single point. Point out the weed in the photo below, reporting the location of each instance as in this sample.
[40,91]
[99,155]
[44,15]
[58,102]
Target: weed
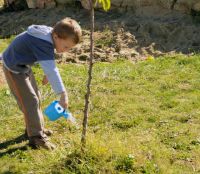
[125,163]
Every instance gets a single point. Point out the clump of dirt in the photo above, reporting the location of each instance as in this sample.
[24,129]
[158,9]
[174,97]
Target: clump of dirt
[118,34]
[109,46]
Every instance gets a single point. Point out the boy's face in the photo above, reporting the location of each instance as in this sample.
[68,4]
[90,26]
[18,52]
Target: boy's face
[62,45]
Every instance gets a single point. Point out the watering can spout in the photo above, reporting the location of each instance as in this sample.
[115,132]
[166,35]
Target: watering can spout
[54,111]
[72,119]
[66,114]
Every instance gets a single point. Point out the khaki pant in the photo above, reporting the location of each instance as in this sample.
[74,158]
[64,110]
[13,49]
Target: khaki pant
[24,88]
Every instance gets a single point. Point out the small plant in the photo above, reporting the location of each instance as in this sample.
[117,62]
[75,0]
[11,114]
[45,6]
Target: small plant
[125,163]
[106,40]
[124,125]
[195,142]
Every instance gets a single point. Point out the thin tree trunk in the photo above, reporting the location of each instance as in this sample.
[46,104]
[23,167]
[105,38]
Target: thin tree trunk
[87,96]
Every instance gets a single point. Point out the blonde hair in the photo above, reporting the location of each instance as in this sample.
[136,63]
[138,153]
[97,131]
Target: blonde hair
[68,28]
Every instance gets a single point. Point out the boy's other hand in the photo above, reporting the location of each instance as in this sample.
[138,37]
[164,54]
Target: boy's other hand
[64,100]
[45,80]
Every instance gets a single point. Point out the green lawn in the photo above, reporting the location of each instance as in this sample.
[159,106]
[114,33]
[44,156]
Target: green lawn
[144,118]
[4,43]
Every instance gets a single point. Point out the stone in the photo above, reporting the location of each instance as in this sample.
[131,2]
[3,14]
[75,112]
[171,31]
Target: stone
[196,7]
[185,6]
[40,3]
[133,3]
[85,4]
[50,4]
[31,3]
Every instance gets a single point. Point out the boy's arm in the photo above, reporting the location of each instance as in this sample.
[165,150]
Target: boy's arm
[54,78]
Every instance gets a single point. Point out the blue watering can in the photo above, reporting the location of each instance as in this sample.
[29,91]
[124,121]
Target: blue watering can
[54,111]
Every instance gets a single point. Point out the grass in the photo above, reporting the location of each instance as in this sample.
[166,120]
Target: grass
[144,118]
[5,42]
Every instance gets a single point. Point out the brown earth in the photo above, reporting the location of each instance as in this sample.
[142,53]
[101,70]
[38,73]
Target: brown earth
[149,30]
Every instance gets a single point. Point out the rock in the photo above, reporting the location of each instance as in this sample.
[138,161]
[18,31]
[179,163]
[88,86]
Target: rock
[85,4]
[50,4]
[165,3]
[137,3]
[185,6]
[40,3]
[31,3]
[196,7]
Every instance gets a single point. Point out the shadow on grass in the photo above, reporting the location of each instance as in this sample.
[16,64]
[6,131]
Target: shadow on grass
[10,151]
[16,140]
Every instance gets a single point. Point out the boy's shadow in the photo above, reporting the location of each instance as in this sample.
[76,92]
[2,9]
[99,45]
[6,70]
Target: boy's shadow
[16,140]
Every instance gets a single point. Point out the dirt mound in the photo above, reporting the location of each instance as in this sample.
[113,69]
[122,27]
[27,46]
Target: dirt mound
[132,35]
[137,35]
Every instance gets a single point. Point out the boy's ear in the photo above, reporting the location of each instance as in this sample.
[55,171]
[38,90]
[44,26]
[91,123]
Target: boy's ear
[55,36]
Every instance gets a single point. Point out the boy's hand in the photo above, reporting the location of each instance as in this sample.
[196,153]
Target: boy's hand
[64,100]
[45,80]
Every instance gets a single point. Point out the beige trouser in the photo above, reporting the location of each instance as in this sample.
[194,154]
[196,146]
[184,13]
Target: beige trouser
[24,88]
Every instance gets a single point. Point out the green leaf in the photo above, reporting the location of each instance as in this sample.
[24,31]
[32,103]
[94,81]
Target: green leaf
[7,92]
[105,3]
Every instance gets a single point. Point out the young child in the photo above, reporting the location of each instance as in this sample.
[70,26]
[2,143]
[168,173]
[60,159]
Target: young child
[37,45]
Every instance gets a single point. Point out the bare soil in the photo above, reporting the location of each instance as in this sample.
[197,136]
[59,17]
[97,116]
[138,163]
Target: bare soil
[134,35]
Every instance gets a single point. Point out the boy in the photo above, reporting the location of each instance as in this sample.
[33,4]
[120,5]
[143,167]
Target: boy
[37,45]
